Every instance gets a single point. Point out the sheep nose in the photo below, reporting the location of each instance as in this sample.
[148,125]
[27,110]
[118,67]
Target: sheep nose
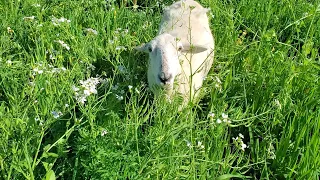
[165,78]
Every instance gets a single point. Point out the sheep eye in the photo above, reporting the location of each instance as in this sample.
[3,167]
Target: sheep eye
[150,49]
[179,48]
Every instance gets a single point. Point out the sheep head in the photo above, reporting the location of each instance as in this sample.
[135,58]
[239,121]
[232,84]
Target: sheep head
[163,67]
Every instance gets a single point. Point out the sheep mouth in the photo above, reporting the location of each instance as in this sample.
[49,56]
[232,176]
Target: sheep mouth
[165,78]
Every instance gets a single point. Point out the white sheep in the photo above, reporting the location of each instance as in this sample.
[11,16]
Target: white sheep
[182,52]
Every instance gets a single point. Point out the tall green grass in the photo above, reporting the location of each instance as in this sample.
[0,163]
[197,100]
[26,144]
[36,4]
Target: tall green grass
[265,78]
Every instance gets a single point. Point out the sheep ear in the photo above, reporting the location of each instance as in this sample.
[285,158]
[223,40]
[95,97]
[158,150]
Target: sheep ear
[143,47]
[194,48]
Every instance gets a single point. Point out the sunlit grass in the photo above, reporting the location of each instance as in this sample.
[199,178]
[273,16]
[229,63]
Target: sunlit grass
[74,102]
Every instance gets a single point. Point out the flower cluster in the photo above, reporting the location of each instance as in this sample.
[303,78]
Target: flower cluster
[104,132]
[56,22]
[63,44]
[199,145]
[91,31]
[225,118]
[118,33]
[39,68]
[87,88]
[123,32]
[238,141]
[118,48]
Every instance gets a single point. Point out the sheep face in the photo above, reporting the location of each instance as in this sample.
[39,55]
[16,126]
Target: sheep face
[164,66]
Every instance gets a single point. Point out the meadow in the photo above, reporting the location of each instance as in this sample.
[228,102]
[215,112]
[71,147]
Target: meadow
[74,100]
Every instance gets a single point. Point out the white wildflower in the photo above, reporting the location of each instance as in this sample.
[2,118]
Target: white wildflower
[130,87]
[62,19]
[189,144]
[224,116]
[88,87]
[120,98]
[66,105]
[200,145]
[91,31]
[226,121]
[56,22]
[32,83]
[36,70]
[241,136]
[238,141]
[9,62]
[219,121]
[81,99]
[55,70]
[56,114]
[243,146]
[52,57]
[211,115]
[104,132]
[121,48]
[74,88]
[63,44]
[90,84]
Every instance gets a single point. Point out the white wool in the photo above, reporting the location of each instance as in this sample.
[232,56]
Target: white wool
[183,50]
